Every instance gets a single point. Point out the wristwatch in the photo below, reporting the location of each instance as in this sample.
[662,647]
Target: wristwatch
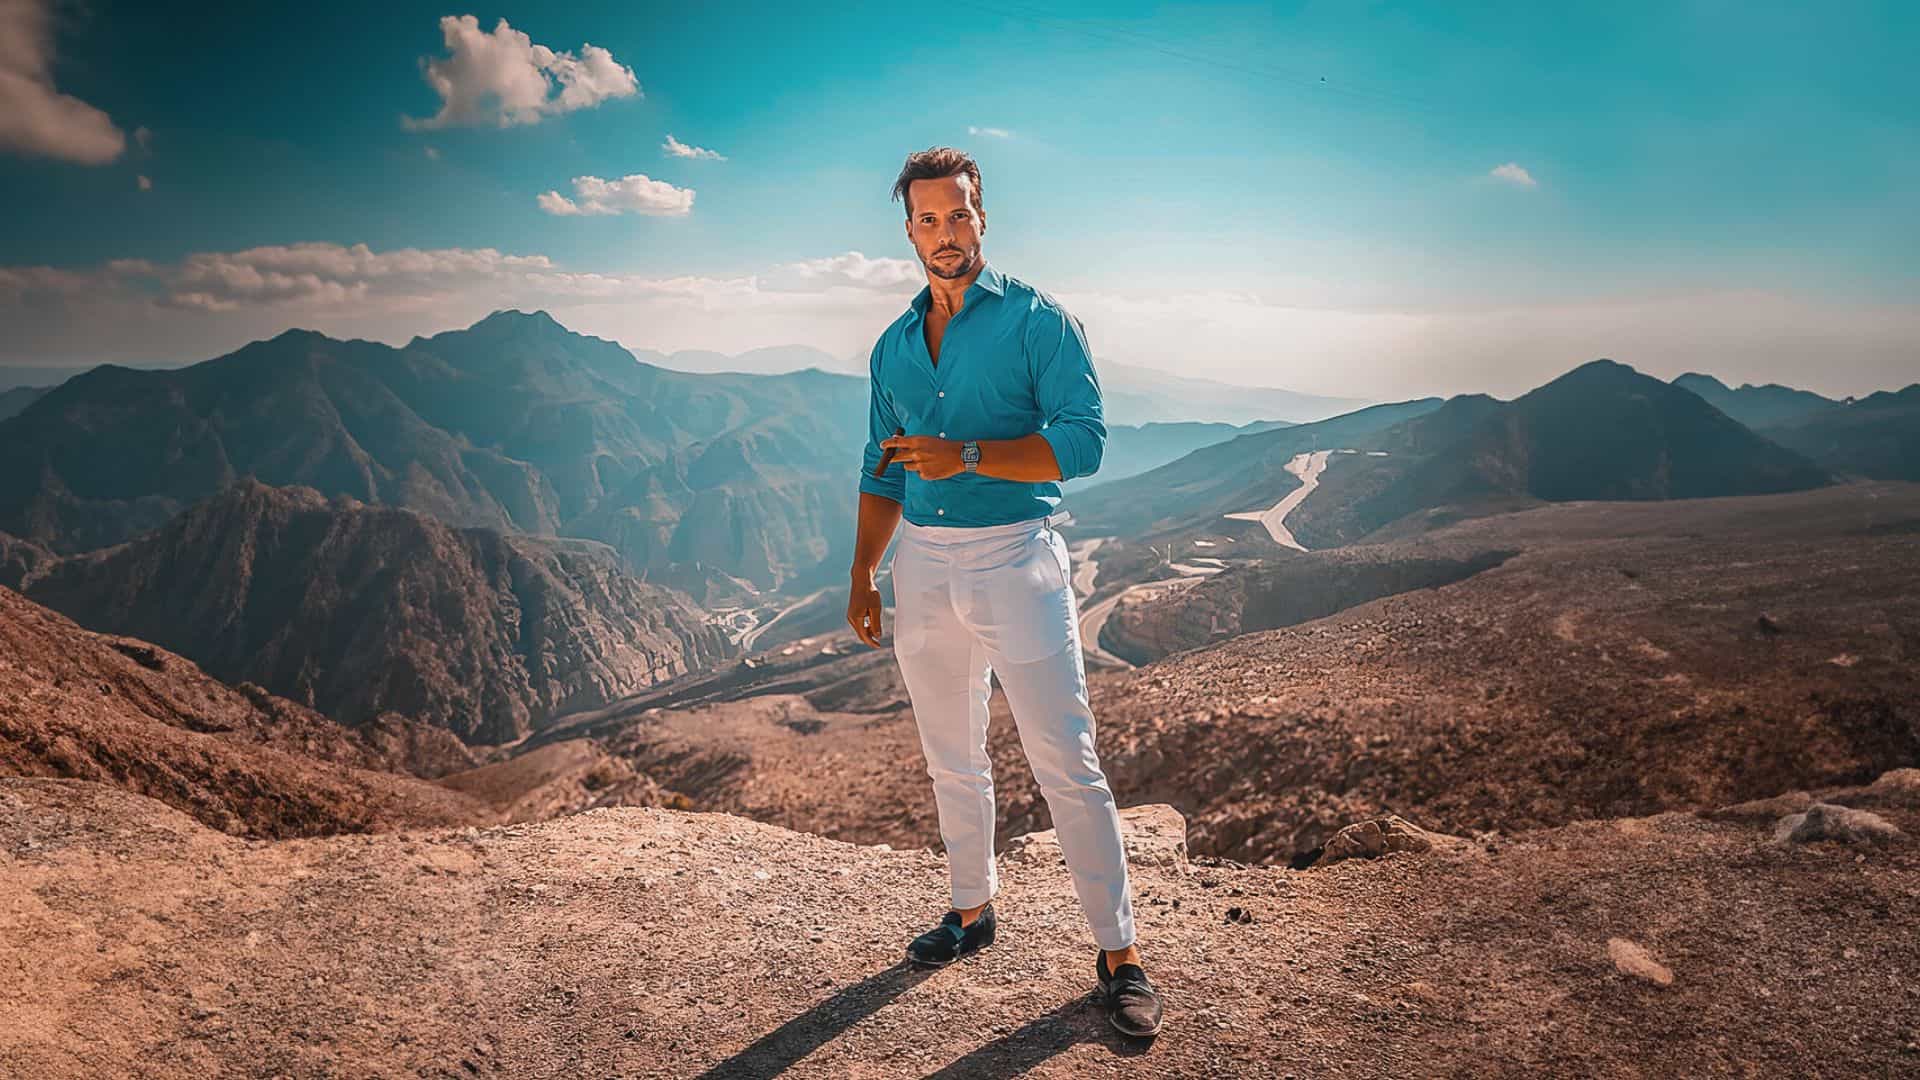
[970,455]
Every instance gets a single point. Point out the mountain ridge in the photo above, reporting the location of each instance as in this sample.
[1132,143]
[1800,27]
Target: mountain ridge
[358,610]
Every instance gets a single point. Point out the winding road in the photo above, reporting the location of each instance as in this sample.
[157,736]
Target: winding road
[1308,468]
[1093,619]
[752,636]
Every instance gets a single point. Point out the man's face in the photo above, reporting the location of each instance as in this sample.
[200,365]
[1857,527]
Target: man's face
[944,226]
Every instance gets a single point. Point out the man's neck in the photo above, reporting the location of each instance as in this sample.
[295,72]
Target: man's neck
[948,295]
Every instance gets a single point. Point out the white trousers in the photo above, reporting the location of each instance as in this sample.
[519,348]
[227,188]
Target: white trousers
[972,601]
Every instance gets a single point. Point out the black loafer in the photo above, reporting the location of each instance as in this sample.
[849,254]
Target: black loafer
[950,941]
[1133,1005]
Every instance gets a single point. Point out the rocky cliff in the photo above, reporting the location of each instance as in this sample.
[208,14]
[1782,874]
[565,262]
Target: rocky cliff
[357,610]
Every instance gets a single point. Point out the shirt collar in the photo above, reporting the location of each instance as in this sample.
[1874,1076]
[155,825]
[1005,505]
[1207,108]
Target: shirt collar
[989,279]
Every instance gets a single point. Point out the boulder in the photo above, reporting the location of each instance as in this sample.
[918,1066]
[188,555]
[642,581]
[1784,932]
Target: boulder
[1826,821]
[1382,836]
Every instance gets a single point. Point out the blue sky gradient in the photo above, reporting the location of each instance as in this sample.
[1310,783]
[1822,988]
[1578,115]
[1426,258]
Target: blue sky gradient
[1333,156]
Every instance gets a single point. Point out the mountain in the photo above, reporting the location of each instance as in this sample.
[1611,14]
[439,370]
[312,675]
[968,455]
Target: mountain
[1241,473]
[513,424]
[1132,450]
[1755,406]
[1133,396]
[1605,431]
[1877,436]
[14,400]
[357,610]
[769,360]
[1601,431]
[1143,395]
[13,377]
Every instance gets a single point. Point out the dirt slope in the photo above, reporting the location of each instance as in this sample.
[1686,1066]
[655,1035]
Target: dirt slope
[92,706]
[657,943]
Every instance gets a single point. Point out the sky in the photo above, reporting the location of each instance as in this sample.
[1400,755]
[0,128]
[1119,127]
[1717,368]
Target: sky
[1379,201]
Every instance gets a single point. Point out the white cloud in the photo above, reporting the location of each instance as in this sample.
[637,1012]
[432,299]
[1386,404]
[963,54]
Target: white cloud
[1512,173]
[144,183]
[848,270]
[991,132]
[635,194]
[679,149]
[502,78]
[35,119]
[210,303]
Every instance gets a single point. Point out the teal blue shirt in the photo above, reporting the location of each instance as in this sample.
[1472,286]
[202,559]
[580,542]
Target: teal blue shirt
[1012,362]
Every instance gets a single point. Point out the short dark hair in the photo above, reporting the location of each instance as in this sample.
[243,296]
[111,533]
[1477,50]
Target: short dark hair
[934,163]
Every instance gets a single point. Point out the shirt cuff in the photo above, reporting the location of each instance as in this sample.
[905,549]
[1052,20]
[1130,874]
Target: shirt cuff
[1066,440]
[887,487]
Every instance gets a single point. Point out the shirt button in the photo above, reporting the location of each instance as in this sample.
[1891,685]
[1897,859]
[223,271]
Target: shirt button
[942,510]
[942,393]
[943,434]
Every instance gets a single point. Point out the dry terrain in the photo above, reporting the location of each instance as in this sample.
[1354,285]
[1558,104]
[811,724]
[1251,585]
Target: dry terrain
[1710,651]
[658,943]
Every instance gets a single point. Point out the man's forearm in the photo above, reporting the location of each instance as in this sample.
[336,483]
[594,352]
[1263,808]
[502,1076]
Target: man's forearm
[879,517]
[1028,458]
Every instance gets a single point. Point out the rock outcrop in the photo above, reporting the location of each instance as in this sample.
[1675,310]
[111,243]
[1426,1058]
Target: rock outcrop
[1383,836]
[1827,821]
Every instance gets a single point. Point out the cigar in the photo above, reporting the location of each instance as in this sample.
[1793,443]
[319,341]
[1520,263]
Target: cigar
[886,457]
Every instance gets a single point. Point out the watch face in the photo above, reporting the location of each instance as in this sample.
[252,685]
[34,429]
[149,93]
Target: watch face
[970,452]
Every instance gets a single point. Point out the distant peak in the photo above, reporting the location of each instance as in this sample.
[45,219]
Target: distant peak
[1603,364]
[516,317]
[1696,378]
[1609,372]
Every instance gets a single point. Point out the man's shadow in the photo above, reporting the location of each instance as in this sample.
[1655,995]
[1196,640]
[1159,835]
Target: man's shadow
[1073,1022]
[1070,1023]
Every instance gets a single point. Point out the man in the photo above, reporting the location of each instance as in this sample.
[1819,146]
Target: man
[983,398]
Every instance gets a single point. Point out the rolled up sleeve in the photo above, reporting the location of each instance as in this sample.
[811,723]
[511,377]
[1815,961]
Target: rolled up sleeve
[1067,389]
[891,484]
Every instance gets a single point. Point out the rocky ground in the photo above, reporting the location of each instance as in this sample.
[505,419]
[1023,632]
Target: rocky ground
[658,943]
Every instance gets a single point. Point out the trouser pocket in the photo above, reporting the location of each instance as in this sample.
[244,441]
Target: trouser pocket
[1022,608]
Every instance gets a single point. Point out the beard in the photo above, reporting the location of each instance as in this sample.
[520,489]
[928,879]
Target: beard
[950,268]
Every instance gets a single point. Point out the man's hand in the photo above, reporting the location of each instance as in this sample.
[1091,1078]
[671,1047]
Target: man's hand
[932,458]
[863,611]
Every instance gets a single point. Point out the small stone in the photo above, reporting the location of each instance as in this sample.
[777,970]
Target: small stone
[1631,959]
